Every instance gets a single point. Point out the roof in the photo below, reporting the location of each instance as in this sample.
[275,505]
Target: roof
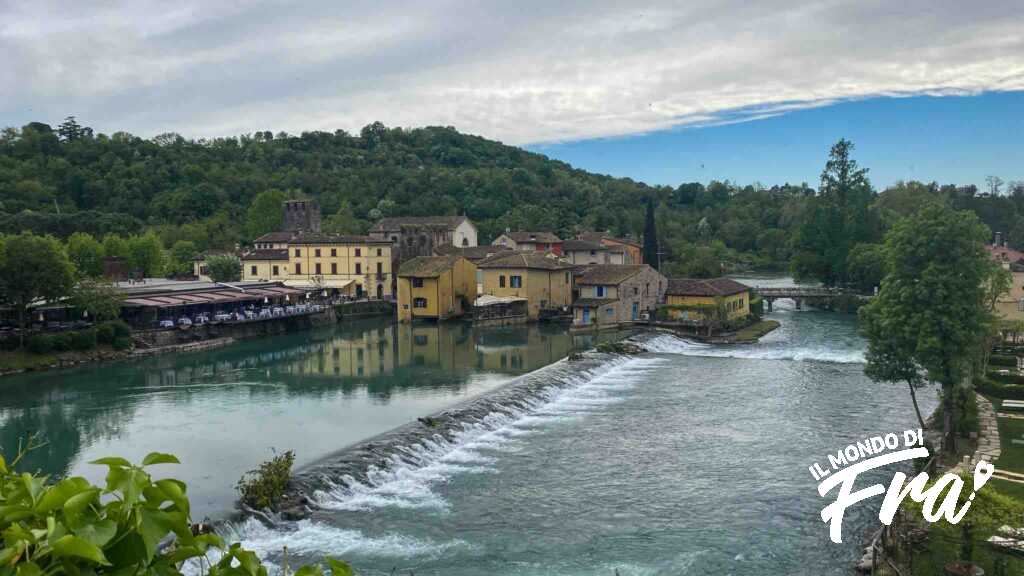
[609,273]
[710,287]
[546,237]
[471,253]
[266,254]
[184,293]
[318,238]
[428,266]
[592,302]
[602,236]
[1004,253]
[520,259]
[581,246]
[275,237]
[394,224]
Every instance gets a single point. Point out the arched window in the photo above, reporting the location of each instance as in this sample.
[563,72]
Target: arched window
[465,241]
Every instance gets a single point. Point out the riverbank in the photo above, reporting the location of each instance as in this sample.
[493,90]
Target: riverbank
[21,361]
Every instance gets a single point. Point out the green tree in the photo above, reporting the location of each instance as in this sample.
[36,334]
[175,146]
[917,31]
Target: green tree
[836,220]
[224,268]
[931,312]
[651,255]
[146,255]
[866,267]
[101,300]
[86,253]
[343,222]
[265,214]
[33,268]
[115,246]
[181,256]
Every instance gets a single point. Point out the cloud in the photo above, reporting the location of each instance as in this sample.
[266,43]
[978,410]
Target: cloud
[521,72]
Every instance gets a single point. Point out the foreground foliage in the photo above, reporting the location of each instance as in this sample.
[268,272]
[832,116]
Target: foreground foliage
[263,487]
[132,525]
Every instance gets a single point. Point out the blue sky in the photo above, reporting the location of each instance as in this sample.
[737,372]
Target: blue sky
[950,139]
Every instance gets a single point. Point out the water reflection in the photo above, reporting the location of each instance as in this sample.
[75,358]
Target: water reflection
[222,410]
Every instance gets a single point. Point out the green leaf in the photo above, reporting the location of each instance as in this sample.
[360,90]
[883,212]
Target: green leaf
[33,486]
[153,526]
[57,495]
[339,567]
[112,461]
[29,569]
[3,465]
[159,458]
[75,505]
[99,533]
[78,548]
[309,571]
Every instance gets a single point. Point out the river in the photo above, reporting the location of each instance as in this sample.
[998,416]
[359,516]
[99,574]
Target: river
[690,459]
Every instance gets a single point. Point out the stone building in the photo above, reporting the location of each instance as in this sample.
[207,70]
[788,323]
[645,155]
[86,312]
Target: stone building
[613,294]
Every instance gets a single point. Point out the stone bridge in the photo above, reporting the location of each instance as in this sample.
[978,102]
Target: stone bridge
[817,296]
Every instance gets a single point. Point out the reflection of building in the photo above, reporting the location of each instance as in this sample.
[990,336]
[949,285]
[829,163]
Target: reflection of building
[520,350]
[369,353]
[435,287]
[446,346]
[546,282]
[611,294]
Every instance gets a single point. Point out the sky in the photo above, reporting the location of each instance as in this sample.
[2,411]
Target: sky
[751,91]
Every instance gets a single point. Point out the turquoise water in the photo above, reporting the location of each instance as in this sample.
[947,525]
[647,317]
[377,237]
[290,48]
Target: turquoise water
[225,411]
[688,460]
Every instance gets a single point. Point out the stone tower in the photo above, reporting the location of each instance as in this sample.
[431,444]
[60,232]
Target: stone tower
[301,216]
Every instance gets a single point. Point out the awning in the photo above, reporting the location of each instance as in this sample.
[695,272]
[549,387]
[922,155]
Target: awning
[319,285]
[489,300]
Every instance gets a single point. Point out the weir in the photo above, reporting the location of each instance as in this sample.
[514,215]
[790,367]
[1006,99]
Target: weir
[416,443]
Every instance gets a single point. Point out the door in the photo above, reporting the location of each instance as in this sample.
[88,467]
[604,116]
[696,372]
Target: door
[380,291]
[586,315]
[636,310]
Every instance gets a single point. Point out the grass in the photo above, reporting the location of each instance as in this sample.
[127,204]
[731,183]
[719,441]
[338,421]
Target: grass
[23,360]
[1011,455]
[756,330]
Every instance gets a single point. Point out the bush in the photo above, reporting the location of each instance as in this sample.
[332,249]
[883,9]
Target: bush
[264,487]
[10,343]
[108,332]
[122,343]
[60,342]
[39,344]
[1006,378]
[83,339]
[72,527]
[1006,391]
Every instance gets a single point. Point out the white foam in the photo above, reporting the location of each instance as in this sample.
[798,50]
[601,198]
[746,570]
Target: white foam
[668,344]
[434,461]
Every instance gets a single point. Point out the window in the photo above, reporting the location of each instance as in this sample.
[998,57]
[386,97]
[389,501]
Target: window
[419,303]
[600,291]
[647,289]
[501,281]
[298,252]
[566,277]
[515,281]
[358,252]
[334,251]
[394,239]
[635,290]
[417,282]
[298,268]
[410,240]
[359,268]
[609,311]
[420,339]
[275,271]
[253,270]
[1020,305]
[318,269]
[465,241]
[380,252]
[316,252]
[334,267]
[380,267]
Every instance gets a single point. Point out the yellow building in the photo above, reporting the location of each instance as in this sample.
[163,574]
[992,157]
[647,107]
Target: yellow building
[435,287]
[545,281]
[353,265]
[701,301]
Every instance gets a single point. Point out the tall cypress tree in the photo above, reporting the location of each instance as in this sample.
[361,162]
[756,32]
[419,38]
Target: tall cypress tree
[650,237]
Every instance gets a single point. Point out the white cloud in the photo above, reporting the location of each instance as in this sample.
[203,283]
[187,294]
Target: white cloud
[521,72]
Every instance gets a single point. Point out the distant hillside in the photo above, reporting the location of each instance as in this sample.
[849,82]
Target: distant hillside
[127,183]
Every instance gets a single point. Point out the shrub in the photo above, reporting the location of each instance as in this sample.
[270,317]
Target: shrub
[108,332]
[10,343]
[83,339]
[264,486]
[122,343]
[60,342]
[999,390]
[72,527]
[1006,378]
[40,344]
